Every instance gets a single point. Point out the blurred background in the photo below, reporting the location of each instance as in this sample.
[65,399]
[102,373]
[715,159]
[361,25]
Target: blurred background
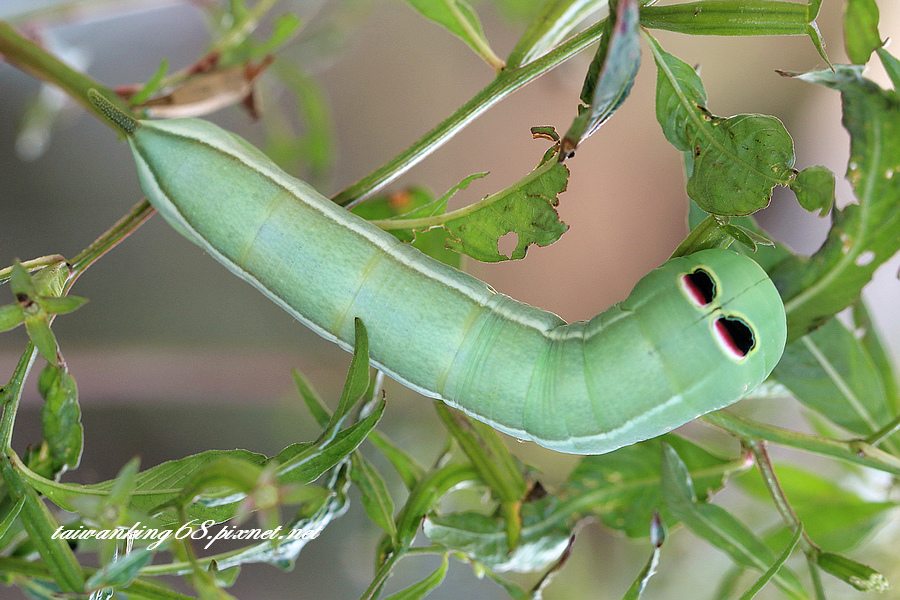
[173,355]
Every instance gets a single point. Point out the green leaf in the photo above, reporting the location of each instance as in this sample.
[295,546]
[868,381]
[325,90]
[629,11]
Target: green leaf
[861,36]
[814,187]
[9,510]
[748,238]
[459,19]
[285,27]
[410,471]
[556,19]
[374,493]
[11,316]
[155,486]
[423,588]
[622,487]
[735,161]
[311,399]
[357,377]
[610,75]
[544,537]
[121,571]
[416,202]
[303,463]
[718,527]
[61,427]
[495,464]
[525,209]
[867,334]
[426,495]
[834,517]
[151,86]
[771,571]
[40,525]
[303,528]
[20,282]
[830,371]
[311,148]
[59,306]
[864,235]
[42,337]
[891,66]
[766,255]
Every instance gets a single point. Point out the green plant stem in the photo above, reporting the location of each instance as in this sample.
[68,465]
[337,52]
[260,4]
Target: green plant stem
[853,451]
[764,464]
[884,433]
[11,394]
[31,58]
[136,217]
[504,84]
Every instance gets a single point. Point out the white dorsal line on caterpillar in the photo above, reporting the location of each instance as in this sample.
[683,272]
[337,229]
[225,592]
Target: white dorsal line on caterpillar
[643,367]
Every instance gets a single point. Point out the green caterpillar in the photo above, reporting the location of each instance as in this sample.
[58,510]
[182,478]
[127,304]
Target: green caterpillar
[695,335]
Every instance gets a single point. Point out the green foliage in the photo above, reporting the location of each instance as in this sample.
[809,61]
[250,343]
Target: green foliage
[843,378]
[864,235]
[610,76]
[734,162]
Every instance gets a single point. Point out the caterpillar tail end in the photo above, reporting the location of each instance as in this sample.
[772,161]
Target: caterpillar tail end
[109,110]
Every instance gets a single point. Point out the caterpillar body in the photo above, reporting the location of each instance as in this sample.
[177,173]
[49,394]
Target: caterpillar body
[695,335]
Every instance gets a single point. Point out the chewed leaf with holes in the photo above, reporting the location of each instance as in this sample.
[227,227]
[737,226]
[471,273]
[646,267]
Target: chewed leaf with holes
[863,236]
[735,161]
[526,208]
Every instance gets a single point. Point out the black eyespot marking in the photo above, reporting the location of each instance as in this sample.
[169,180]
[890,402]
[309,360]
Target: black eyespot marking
[699,286]
[735,336]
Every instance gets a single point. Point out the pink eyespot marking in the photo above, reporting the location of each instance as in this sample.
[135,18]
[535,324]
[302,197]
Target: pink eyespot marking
[734,336]
[699,286]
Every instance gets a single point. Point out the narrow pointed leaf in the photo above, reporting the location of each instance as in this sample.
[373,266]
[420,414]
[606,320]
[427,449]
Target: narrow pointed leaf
[409,470]
[771,571]
[419,590]
[622,487]
[610,75]
[11,316]
[59,306]
[550,26]
[830,371]
[20,282]
[374,493]
[718,527]
[121,571]
[459,19]
[891,65]
[42,337]
[39,524]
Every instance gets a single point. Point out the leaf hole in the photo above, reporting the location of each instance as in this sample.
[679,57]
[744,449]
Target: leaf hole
[507,243]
